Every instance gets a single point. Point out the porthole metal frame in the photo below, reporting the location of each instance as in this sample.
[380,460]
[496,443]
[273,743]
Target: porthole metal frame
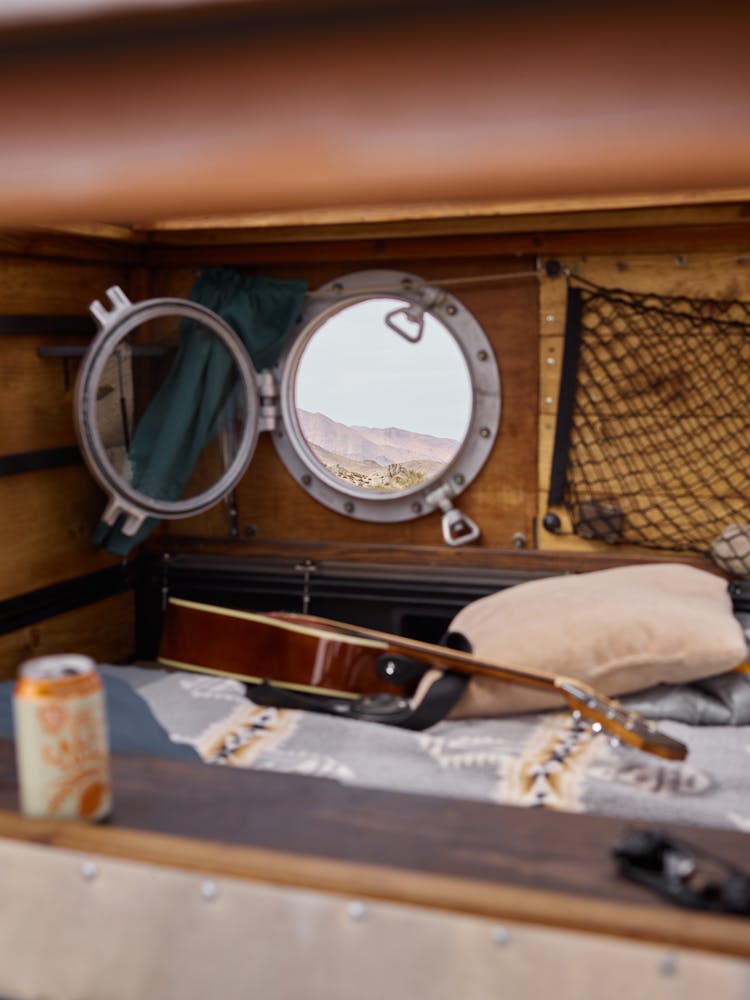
[484,376]
[134,507]
[114,325]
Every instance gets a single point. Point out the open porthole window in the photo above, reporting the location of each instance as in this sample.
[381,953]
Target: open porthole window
[384,405]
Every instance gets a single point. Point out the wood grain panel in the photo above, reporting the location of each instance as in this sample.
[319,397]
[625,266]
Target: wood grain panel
[96,243]
[444,219]
[36,408]
[104,630]
[47,521]
[545,868]
[29,285]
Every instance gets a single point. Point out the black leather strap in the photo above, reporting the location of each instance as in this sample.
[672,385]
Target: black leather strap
[434,705]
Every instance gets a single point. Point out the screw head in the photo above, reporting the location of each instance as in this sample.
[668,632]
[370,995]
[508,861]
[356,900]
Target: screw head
[89,871]
[209,891]
[356,910]
[551,522]
[500,935]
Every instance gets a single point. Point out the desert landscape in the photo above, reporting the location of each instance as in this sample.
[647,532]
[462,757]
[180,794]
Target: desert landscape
[375,458]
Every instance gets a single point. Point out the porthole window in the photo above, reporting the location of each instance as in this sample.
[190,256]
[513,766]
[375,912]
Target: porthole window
[389,396]
[384,405]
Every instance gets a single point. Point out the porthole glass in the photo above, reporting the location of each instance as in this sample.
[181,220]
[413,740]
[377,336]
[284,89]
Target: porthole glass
[383,404]
[166,408]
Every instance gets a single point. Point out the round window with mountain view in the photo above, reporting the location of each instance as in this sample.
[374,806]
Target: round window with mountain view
[389,396]
[383,401]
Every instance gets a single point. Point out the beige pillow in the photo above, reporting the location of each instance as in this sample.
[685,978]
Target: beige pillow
[618,629]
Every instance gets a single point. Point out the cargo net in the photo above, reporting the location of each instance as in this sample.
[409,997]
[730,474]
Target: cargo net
[653,435]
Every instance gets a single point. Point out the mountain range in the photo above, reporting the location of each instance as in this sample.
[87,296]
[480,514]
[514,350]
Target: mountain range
[382,446]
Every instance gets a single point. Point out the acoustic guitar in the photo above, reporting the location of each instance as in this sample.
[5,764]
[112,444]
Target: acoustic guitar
[306,653]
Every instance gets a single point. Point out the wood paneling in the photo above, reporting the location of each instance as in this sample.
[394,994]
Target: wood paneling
[29,285]
[104,631]
[48,515]
[45,529]
[687,216]
[36,407]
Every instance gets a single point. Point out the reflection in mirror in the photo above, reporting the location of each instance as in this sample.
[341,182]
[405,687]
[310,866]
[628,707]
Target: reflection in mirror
[383,396]
[169,410]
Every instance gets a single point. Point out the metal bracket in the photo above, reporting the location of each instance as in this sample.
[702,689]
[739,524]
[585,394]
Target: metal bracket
[306,568]
[458,528]
[269,401]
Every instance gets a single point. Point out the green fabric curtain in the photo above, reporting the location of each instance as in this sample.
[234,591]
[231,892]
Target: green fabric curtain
[192,404]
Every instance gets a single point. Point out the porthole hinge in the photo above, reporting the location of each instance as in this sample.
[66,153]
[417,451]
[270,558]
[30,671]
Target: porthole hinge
[268,391]
[458,528]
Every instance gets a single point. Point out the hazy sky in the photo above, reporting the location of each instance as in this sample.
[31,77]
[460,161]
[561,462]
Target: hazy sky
[358,371]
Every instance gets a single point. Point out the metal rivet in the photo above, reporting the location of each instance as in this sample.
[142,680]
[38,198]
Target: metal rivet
[548,400]
[550,317]
[417,508]
[356,910]
[669,964]
[550,361]
[680,260]
[451,310]
[348,507]
[306,479]
[482,355]
[209,891]
[459,479]
[484,432]
[519,540]
[500,935]
[89,870]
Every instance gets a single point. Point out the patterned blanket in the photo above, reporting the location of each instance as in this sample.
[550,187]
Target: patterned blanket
[545,760]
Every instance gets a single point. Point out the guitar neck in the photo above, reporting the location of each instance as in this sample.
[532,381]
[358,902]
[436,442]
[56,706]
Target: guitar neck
[583,700]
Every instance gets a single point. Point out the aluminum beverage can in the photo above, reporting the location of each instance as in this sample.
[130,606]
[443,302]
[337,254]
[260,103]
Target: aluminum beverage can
[62,745]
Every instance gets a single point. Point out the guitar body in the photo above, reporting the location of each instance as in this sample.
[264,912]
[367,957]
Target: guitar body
[256,647]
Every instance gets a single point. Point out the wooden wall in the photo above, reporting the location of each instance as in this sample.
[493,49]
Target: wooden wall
[699,254]
[48,513]
[272,507]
